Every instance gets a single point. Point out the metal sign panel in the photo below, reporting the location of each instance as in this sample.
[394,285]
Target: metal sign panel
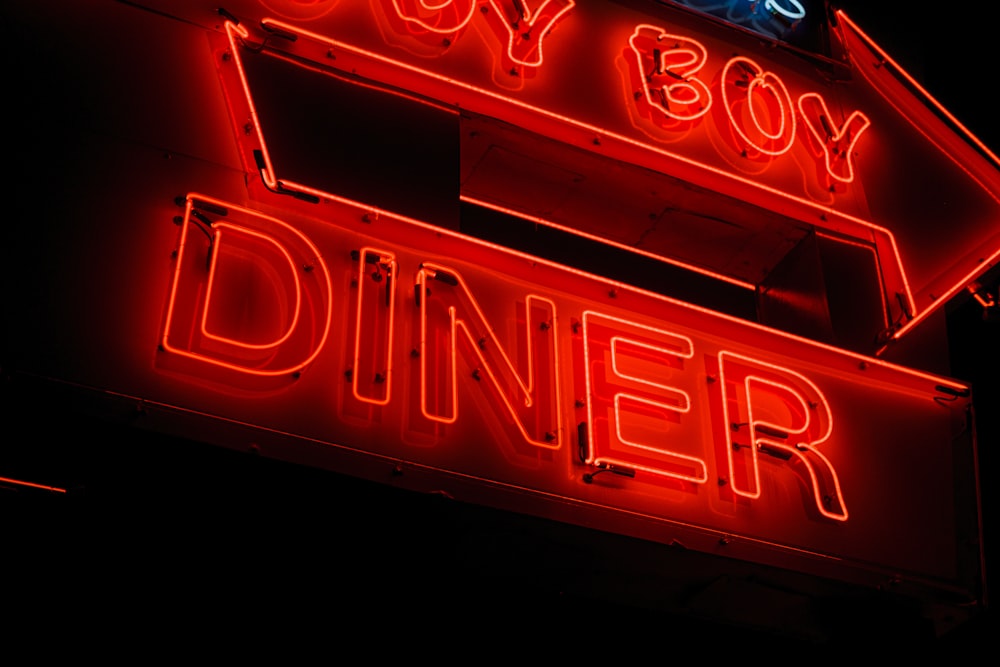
[187,275]
[427,349]
[825,142]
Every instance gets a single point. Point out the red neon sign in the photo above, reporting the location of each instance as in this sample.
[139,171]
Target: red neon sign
[467,366]
[752,126]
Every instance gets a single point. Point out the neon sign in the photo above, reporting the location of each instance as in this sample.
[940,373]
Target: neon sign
[316,327]
[744,126]
[452,355]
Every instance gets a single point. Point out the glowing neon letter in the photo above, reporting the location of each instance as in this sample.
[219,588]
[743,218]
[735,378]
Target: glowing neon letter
[371,370]
[632,405]
[667,65]
[781,413]
[443,17]
[759,107]
[250,294]
[524,30]
[529,390]
[837,144]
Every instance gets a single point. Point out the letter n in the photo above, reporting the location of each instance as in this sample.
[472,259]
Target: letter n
[455,333]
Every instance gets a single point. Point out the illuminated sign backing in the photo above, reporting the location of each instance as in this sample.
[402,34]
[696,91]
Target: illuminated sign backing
[426,348]
[681,97]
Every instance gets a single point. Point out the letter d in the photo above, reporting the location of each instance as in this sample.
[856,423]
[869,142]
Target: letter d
[251,296]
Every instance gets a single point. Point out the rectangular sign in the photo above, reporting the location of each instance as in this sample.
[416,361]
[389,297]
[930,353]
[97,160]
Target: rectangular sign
[424,348]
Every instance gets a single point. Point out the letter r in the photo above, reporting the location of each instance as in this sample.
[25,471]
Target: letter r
[776,411]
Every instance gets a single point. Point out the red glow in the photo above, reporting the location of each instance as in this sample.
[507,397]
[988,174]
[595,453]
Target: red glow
[664,67]
[371,371]
[523,29]
[529,393]
[267,256]
[781,411]
[276,269]
[303,10]
[837,144]
[634,408]
[758,106]
[444,17]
